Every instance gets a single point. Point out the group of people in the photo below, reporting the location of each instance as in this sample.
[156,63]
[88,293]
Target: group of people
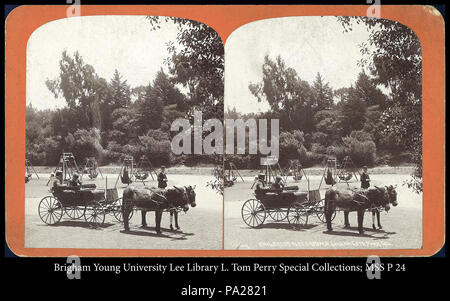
[260,185]
[75,179]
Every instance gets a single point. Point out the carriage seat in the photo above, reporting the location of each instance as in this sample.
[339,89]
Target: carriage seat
[89,186]
[293,187]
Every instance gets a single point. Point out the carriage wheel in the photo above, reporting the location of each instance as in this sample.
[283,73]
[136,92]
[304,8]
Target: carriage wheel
[297,215]
[74,212]
[95,214]
[321,212]
[50,210]
[278,215]
[253,213]
[117,210]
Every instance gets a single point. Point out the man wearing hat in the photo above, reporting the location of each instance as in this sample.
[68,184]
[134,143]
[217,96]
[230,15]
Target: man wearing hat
[365,179]
[162,178]
[260,183]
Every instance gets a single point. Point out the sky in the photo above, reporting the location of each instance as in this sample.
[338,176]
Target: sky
[307,44]
[125,43]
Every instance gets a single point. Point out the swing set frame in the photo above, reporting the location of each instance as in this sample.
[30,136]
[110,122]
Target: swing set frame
[29,170]
[67,165]
[90,165]
[338,172]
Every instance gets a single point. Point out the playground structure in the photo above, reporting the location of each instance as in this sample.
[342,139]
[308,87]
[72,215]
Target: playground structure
[296,170]
[347,172]
[126,174]
[144,169]
[29,171]
[231,173]
[334,172]
[91,168]
[65,169]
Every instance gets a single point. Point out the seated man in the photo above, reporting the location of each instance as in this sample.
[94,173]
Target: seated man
[75,181]
[260,185]
[278,184]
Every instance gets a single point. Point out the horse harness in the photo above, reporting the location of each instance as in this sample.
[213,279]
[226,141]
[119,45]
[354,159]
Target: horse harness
[373,206]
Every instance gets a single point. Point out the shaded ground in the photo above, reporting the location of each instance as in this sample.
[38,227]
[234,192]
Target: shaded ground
[402,226]
[201,227]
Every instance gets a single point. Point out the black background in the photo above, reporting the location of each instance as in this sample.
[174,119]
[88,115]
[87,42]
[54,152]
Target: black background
[300,284]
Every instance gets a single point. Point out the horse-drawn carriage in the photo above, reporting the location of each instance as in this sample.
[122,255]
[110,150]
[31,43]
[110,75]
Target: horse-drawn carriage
[80,201]
[281,204]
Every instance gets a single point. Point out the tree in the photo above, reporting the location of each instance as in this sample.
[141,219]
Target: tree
[328,126]
[161,102]
[85,143]
[292,146]
[198,65]
[118,96]
[322,94]
[289,97]
[82,89]
[352,111]
[368,91]
[362,150]
[395,61]
[120,92]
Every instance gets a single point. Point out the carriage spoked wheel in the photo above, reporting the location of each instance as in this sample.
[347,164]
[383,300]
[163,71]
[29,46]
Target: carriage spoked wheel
[278,215]
[297,215]
[95,214]
[253,213]
[117,210]
[74,212]
[50,210]
[321,212]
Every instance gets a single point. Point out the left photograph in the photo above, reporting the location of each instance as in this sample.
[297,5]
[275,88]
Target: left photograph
[106,97]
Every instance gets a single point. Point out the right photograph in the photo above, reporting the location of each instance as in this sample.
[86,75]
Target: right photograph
[325,116]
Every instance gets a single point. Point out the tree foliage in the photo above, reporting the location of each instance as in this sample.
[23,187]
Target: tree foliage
[395,61]
[197,63]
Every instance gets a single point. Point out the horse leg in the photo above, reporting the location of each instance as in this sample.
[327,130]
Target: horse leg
[176,220]
[360,221]
[171,217]
[144,220]
[158,216]
[126,216]
[346,223]
[378,220]
[373,219]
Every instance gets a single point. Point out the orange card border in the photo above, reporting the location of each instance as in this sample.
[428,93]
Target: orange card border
[425,21]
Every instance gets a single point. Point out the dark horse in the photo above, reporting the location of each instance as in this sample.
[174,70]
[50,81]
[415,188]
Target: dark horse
[173,213]
[156,199]
[359,201]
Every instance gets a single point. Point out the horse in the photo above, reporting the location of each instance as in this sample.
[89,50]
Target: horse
[358,201]
[174,211]
[156,199]
[376,211]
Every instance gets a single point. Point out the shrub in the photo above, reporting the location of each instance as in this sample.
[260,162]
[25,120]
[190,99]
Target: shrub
[338,151]
[84,143]
[362,150]
[291,147]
